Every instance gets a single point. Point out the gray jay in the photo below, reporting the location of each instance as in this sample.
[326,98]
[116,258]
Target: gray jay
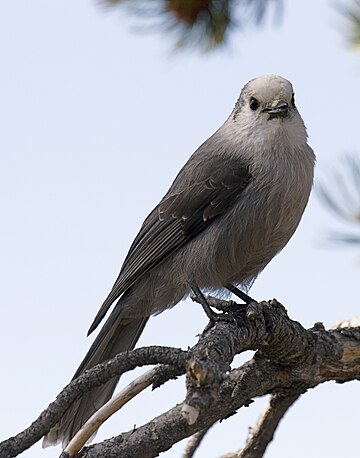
[232,207]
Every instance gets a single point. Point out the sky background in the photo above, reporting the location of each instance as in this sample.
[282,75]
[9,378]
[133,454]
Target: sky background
[96,119]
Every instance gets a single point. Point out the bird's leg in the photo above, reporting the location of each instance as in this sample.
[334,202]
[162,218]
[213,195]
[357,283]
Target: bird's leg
[203,302]
[252,306]
[240,294]
[213,316]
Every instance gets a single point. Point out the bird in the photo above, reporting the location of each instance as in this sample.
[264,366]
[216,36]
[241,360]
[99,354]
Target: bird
[231,208]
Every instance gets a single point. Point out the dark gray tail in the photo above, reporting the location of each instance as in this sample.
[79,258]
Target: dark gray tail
[117,335]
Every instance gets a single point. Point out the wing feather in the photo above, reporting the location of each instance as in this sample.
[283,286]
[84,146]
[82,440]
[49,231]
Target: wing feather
[180,216]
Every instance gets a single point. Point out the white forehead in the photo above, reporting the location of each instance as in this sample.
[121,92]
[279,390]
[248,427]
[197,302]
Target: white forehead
[269,87]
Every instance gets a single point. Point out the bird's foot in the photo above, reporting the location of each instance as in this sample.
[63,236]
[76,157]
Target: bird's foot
[213,316]
[252,307]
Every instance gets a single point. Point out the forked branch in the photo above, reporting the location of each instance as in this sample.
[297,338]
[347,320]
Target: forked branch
[288,361]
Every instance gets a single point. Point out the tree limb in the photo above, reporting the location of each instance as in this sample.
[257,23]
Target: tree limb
[194,442]
[289,360]
[96,376]
[108,409]
[262,434]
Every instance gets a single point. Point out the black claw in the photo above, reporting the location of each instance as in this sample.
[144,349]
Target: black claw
[269,325]
[251,306]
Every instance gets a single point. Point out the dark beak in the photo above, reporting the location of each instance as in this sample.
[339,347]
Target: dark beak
[280,108]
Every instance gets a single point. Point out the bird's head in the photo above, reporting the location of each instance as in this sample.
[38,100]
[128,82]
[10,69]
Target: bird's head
[266,109]
[266,97]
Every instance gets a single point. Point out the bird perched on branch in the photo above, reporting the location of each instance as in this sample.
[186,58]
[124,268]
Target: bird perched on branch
[232,207]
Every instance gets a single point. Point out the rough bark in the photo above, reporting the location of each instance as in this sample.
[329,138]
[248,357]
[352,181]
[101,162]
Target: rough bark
[289,360]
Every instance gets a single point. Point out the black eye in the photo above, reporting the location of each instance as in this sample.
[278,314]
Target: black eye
[254,104]
[293,100]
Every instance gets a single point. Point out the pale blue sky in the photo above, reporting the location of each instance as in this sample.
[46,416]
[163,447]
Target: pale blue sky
[96,120]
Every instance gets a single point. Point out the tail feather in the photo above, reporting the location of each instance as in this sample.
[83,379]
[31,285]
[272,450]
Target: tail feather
[116,336]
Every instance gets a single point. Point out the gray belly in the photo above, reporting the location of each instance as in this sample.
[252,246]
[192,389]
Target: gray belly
[238,246]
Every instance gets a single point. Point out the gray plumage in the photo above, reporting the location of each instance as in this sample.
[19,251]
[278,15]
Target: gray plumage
[232,207]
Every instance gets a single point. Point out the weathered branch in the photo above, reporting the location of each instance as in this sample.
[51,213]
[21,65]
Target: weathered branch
[108,409]
[90,379]
[289,360]
[194,442]
[262,434]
